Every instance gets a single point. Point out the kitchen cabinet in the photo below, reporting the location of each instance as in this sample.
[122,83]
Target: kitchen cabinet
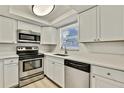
[49,35]
[8,28]
[1,74]
[58,73]
[88,25]
[106,78]
[28,26]
[111,23]
[48,68]
[54,69]
[102,23]
[10,73]
[101,82]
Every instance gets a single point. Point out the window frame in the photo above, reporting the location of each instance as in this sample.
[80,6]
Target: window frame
[65,27]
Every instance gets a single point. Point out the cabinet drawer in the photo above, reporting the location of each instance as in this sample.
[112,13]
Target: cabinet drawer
[108,73]
[55,59]
[11,61]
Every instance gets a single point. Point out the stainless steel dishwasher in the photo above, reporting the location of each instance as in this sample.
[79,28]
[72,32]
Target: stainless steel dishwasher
[77,74]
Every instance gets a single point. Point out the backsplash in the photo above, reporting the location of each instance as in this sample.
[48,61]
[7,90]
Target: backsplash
[7,48]
[11,48]
[106,47]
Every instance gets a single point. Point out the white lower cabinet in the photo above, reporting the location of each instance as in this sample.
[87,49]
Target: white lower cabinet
[106,78]
[49,68]
[54,69]
[10,73]
[1,74]
[59,74]
[101,82]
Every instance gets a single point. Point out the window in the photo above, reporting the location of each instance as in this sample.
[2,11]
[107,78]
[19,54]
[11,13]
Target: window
[69,37]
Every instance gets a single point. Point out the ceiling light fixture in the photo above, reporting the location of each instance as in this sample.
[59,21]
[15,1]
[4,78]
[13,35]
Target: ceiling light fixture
[42,10]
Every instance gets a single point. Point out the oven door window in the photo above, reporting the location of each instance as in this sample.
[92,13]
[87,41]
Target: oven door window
[31,65]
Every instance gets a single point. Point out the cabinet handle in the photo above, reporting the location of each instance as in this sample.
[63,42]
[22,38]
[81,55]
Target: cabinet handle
[11,61]
[98,39]
[53,63]
[93,76]
[108,73]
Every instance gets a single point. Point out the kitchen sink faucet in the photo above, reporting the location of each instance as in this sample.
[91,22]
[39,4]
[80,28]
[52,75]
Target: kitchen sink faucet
[66,52]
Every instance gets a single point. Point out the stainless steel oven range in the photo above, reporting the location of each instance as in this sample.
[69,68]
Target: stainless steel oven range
[30,64]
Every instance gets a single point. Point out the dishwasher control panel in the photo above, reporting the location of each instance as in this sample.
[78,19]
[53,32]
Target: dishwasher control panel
[77,65]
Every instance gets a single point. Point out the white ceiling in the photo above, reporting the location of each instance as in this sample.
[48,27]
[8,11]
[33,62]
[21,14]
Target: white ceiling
[80,8]
[57,16]
[57,12]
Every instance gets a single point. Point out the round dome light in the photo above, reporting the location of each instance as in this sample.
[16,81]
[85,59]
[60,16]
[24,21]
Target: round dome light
[42,10]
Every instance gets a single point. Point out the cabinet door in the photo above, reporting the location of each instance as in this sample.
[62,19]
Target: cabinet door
[8,28]
[10,75]
[28,26]
[48,35]
[88,26]
[101,82]
[1,74]
[59,74]
[54,70]
[45,65]
[111,23]
[49,69]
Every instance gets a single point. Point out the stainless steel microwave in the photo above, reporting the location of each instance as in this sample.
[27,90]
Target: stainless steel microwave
[26,36]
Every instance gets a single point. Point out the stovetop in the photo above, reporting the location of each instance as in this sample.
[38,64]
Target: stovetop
[30,56]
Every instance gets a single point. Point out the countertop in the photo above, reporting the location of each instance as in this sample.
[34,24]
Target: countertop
[110,61]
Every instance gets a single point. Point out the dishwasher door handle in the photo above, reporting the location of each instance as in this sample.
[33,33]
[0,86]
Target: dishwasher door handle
[73,64]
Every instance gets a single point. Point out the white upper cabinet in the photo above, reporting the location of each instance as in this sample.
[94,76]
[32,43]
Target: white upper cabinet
[28,26]
[48,35]
[102,23]
[111,23]
[8,28]
[88,25]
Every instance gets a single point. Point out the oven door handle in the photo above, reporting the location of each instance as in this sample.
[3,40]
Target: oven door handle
[32,59]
